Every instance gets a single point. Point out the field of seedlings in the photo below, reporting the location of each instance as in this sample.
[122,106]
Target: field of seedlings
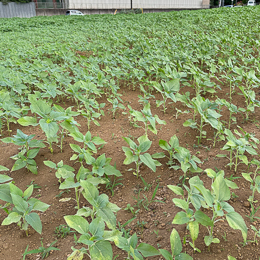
[130,136]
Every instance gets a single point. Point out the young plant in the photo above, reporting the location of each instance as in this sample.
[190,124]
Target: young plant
[254,179]
[147,118]
[168,90]
[256,234]
[111,184]
[22,212]
[238,147]
[176,247]
[115,105]
[170,148]
[136,154]
[25,158]
[208,115]
[214,199]
[89,146]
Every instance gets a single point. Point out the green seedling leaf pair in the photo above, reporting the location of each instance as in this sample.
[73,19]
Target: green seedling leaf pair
[137,154]
[22,212]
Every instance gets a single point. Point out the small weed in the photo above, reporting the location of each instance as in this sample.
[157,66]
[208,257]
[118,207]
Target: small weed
[60,194]
[147,186]
[62,231]
[225,236]
[42,250]
[113,183]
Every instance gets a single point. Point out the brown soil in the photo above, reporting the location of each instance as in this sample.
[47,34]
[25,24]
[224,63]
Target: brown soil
[159,218]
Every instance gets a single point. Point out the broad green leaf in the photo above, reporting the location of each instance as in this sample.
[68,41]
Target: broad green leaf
[235,221]
[110,170]
[101,250]
[108,216]
[28,192]
[4,178]
[181,218]
[194,230]
[50,164]
[221,189]
[13,217]
[32,153]
[27,120]
[78,223]
[5,193]
[19,164]
[34,220]
[167,255]
[40,206]
[148,161]
[69,183]
[2,168]
[19,203]
[147,250]
[175,241]
[203,219]
[181,203]
[183,256]
[76,255]
[90,192]
[177,190]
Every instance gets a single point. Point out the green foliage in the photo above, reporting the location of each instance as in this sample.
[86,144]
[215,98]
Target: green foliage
[23,207]
[42,250]
[137,154]
[214,199]
[237,147]
[25,158]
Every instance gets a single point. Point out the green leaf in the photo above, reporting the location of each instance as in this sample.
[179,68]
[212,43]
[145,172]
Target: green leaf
[76,255]
[19,203]
[101,250]
[69,183]
[203,219]
[148,161]
[183,256]
[175,241]
[164,145]
[32,153]
[13,217]
[221,189]
[177,190]
[110,170]
[2,168]
[235,221]
[90,192]
[147,250]
[208,240]
[144,146]
[34,220]
[181,203]
[78,223]
[5,193]
[181,218]
[167,255]
[28,192]
[19,164]
[27,120]
[4,178]
[194,230]
[40,206]
[50,164]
